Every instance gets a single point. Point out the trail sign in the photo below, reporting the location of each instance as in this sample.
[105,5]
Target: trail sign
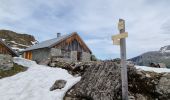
[116,38]
[120,40]
[119,36]
[116,42]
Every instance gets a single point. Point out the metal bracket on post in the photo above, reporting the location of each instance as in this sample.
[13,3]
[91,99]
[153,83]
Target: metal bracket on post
[119,39]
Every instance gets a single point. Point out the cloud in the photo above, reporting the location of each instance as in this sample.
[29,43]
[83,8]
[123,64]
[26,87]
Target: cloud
[147,22]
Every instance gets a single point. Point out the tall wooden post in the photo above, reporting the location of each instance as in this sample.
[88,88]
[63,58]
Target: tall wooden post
[123,62]
[119,39]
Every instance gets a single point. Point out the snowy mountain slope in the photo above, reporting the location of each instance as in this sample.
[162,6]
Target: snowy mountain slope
[161,56]
[17,41]
[34,84]
[165,49]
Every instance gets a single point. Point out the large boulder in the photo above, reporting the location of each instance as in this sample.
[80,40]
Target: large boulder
[99,82]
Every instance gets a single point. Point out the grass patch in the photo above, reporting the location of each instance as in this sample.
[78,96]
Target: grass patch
[14,70]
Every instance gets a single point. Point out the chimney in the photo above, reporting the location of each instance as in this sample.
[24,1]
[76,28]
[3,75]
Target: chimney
[58,35]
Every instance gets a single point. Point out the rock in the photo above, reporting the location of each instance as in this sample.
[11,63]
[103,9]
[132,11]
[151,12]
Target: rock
[131,98]
[52,64]
[6,62]
[140,97]
[163,88]
[59,84]
[98,83]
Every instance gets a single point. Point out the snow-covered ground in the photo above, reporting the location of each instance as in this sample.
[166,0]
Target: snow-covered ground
[152,69]
[34,84]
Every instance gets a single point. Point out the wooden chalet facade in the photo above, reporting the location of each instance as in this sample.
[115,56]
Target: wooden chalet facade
[6,50]
[68,47]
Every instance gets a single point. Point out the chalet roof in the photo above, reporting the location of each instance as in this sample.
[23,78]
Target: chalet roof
[50,43]
[9,48]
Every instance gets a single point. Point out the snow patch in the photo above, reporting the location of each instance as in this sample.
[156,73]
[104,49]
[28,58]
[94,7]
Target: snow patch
[3,39]
[151,69]
[34,84]
[19,44]
[34,42]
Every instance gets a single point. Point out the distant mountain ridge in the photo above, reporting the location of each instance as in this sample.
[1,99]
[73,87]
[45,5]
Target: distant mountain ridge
[161,56]
[17,41]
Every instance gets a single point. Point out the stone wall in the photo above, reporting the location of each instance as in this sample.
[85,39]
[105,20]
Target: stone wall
[59,55]
[73,56]
[40,54]
[55,52]
[6,61]
[69,57]
[86,57]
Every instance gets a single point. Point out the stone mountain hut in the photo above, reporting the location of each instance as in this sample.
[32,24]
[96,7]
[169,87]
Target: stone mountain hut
[6,54]
[68,48]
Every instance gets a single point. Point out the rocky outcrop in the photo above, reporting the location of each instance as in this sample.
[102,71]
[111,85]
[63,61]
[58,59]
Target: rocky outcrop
[59,84]
[101,81]
[17,40]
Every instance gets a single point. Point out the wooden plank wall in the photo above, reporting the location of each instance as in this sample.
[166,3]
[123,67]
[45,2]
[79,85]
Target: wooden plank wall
[4,50]
[73,46]
[73,43]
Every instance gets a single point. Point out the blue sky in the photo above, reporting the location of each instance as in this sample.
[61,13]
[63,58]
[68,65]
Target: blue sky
[147,22]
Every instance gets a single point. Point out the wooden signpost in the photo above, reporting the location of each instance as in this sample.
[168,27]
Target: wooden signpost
[120,40]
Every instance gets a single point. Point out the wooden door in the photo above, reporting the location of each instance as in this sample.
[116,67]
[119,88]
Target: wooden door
[4,50]
[28,55]
[79,54]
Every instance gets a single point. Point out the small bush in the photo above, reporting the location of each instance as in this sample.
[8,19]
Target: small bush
[93,58]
